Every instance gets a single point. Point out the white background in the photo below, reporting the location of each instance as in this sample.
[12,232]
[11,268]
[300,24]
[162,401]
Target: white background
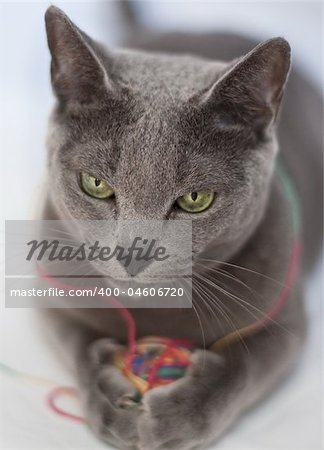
[291,418]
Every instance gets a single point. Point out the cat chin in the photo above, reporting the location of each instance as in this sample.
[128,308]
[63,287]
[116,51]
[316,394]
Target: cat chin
[142,277]
[145,279]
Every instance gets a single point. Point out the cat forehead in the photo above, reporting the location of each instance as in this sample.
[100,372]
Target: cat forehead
[158,73]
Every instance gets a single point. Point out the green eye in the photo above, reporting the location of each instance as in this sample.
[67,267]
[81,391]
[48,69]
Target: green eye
[196,202]
[94,187]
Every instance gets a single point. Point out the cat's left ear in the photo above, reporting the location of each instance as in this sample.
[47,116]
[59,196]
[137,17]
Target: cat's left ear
[251,90]
[78,75]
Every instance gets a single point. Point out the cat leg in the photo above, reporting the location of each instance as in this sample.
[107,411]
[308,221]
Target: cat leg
[196,410]
[106,395]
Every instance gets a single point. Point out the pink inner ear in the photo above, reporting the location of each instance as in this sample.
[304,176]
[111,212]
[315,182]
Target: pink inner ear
[224,121]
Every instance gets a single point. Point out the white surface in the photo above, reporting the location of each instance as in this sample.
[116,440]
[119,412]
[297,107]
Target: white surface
[291,418]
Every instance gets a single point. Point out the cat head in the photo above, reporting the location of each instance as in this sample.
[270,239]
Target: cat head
[139,136]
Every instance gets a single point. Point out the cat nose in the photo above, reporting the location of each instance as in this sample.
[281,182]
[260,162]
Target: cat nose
[136,255]
[138,241]
[135,267]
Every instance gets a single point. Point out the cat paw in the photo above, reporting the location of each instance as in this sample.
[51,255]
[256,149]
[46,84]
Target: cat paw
[168,421]
[108,398]
[177,416]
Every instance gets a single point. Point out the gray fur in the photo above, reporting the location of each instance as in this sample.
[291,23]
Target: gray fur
[155,126]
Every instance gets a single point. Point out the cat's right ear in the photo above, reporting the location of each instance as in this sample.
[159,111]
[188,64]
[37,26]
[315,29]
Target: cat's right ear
[251,90]
[77,74]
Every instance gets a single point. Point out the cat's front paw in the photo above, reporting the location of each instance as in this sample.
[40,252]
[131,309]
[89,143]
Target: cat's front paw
[108,398]
[178,416]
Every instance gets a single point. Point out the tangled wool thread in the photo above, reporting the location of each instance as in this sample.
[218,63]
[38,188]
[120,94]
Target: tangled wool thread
[157,361]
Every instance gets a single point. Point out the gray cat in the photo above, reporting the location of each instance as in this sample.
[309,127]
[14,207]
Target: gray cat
[156,124]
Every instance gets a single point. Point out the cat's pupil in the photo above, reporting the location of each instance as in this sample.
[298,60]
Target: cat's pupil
[97,182]
[194,196]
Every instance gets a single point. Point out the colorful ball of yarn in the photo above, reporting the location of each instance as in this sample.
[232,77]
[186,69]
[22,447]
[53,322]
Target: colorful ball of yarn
[156,361]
